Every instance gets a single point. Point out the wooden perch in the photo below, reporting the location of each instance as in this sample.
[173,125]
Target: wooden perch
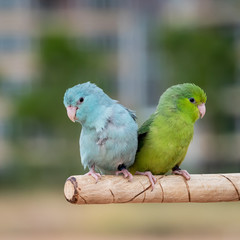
[168,189]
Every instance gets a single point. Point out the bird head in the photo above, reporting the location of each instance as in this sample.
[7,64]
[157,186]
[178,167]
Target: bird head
[187,98]
[84,101]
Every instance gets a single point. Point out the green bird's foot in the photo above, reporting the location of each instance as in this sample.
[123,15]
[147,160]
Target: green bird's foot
[178,171]
[151,178]
[94,174]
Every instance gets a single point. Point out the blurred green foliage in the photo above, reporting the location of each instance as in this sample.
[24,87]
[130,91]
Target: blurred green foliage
[205,57]
[62,63]
[44,141]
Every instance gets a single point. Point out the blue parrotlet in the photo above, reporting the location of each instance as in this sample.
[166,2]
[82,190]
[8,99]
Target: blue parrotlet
[108,140]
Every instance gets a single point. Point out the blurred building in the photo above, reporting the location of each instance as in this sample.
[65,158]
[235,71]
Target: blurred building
[119,28]
[115,26]
[123,28]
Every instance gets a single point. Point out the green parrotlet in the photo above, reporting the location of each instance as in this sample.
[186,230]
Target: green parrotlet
[164,138]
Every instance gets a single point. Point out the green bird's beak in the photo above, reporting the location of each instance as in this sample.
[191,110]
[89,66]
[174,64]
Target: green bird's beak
[202,109]
[71,112]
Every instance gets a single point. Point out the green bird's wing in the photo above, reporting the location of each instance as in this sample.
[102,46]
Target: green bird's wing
[143,131]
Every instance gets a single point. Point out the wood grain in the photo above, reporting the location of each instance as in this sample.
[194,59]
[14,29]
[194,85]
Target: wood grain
[168,189]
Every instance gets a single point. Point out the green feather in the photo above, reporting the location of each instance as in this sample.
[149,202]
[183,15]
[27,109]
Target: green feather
[143,130]
[164,138]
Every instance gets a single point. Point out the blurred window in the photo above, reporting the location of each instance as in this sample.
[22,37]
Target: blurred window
[100,4]
[9,43]
[114,4]
[104,42]
[3,129]
[7,4]
[48,4]
[15,86]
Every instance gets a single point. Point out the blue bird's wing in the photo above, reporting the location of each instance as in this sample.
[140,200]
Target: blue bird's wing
[118,139]
[132,114]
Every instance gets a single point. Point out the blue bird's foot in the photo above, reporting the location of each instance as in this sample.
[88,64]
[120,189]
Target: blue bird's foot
[151,178]
[122,169]
[178,171]
[94,174]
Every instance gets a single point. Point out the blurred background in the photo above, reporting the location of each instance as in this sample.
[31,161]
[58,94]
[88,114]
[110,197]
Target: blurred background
[134,50]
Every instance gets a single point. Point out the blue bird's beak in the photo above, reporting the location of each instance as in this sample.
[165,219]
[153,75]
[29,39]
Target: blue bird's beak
[71,112]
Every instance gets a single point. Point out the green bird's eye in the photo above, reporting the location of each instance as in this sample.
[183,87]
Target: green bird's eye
[192,100]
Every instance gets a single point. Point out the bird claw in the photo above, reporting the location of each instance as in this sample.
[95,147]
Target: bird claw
[184,173]
[151,178]
[126,174]
[94,174]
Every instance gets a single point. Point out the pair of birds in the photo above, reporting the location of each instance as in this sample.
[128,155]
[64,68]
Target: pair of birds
[111,141]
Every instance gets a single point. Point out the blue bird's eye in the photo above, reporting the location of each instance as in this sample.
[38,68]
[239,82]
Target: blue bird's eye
[81,99]
[192,100]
